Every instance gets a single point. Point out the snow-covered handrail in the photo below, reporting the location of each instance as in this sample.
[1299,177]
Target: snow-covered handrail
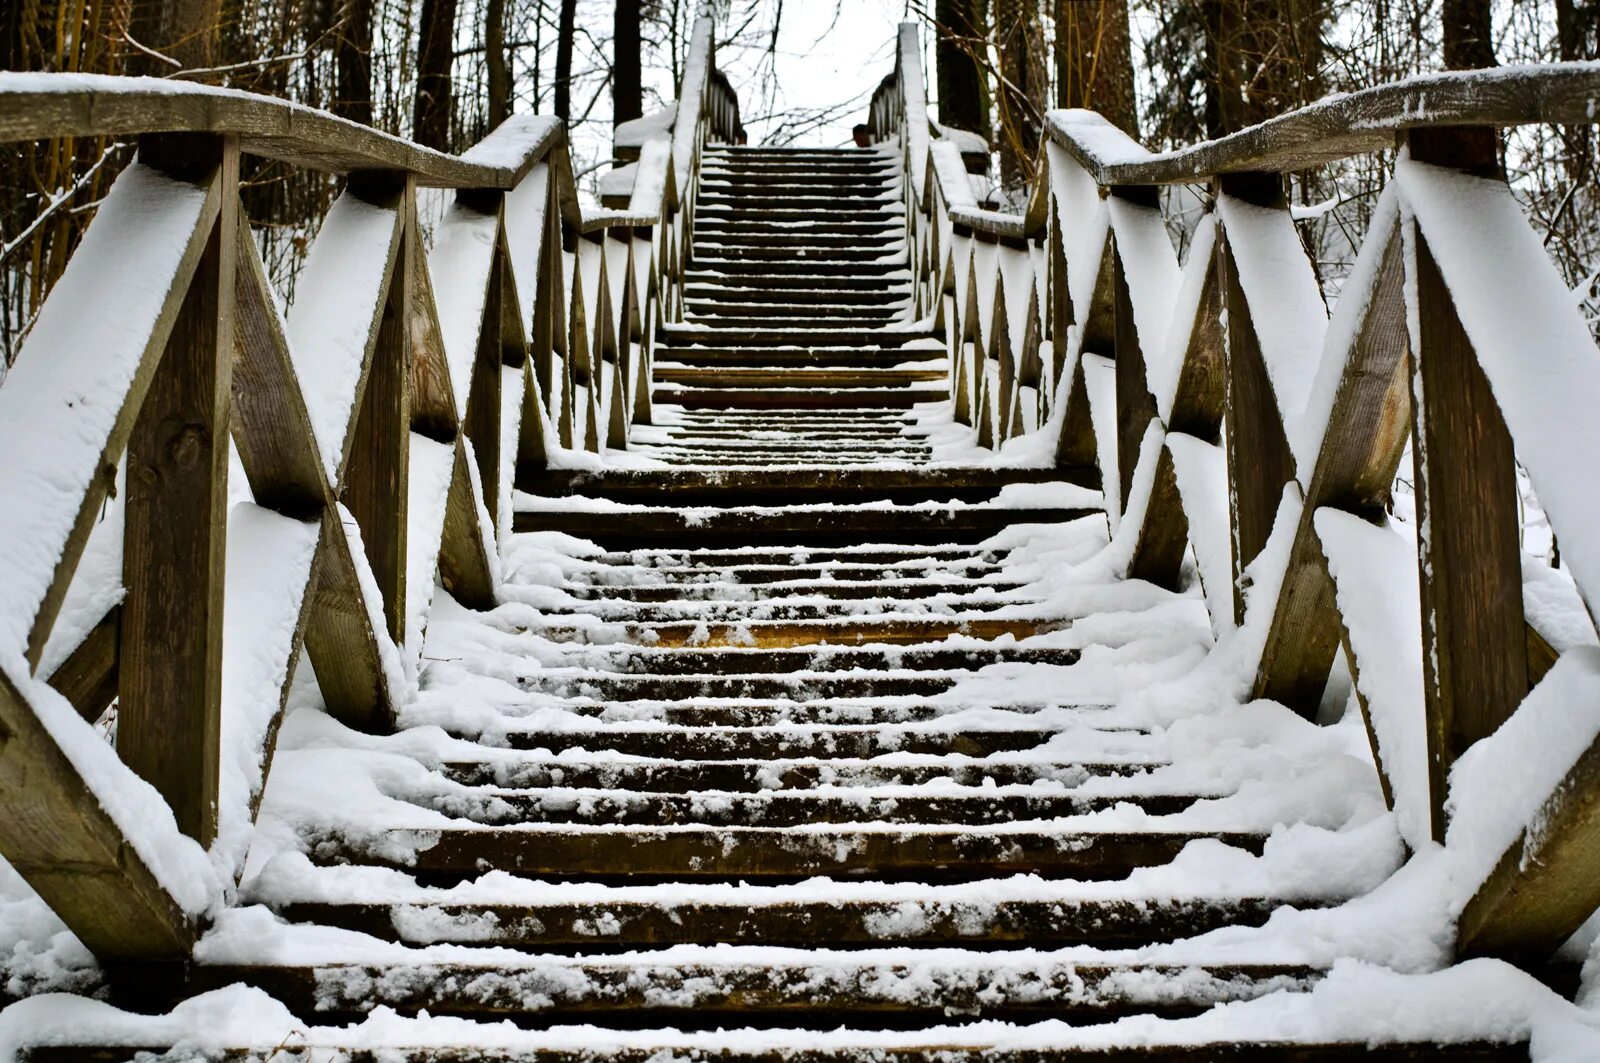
[382,423]
[1248,441]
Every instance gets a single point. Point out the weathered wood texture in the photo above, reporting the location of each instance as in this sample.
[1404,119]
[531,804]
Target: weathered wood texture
[1474,645]
[174,544]
[58,837]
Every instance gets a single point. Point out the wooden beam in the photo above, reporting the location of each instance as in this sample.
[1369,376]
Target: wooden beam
[57,835]
[341,639]
[169,721]
[378,469]
[88,677]
[1365,438]
[1259,461]
[1546,884]
[463,563]
[1136,407]
[1475,657]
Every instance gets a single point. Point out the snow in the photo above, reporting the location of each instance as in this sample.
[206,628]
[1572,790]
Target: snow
[1095,137]
[460,266]
[62,399]
[514,143]
[524,212]
[1286,306]
[428,485]
[1375,575]
[338,301]
[1164,364]
[1201,470]
[269,566]
[649,186]
[1531,340]
[637,132]
[1151,269]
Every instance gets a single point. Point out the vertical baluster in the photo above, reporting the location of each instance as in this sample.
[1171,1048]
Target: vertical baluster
[1474,647]
[170,679]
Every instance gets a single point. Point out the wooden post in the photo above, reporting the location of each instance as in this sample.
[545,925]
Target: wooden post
[378,472]
[1475,658]
[1259,462]
[170,675]
[482,421]
[1136,407]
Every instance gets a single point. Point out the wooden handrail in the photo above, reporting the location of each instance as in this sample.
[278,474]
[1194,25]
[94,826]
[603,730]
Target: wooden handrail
[1233,421]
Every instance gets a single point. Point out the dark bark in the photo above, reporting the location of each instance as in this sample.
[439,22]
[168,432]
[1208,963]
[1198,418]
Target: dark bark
[963,84]
[627,92]
[1019,40]
[569,18]
[431,116]
[496,67]
[186,32]
[1578,38]
[1261,58]
[1466,34]
[1094,60]
[353,59]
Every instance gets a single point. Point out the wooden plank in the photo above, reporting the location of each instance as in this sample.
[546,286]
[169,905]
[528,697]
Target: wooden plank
[1367,432]
[433,402]
[481,423]
[340,637]
[38,108]
[463,564]
[377,469]
[59,838]
[1474,641]
[88,677]
[1075,445]
[271,427]
[1259,462]
[1136,407]
[1357,123]
[169,723]
[1163,538]
[1545,886]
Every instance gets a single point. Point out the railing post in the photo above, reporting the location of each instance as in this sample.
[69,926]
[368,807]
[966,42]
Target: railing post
[1136,407]
[170,677]
[1474,655]
[378,473]
[1259,461]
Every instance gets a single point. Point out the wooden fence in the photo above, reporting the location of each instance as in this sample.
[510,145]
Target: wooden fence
[381,424]
[1233,420]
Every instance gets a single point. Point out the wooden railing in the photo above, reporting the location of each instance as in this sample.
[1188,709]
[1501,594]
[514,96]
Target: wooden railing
[381,424]
[1235,422]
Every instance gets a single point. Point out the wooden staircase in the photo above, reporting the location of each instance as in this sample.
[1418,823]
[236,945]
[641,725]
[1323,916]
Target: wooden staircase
[731,779]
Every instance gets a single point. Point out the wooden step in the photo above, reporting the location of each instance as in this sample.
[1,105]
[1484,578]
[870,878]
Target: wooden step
[653,688]
[708,251]
[734,378]
[711,808]
[709,398]
[809,338]
[733,293]
[817,991]
[887,852]
[736,661]
[905,590]
[857,277]
[846,741]
[754,487]
[682,775]
[1064,921]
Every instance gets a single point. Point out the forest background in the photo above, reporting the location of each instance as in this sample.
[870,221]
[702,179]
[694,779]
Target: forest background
[446,72]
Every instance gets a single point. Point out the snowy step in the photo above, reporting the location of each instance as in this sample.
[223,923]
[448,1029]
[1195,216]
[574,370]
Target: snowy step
[715,311]
[921,557]
[798,321]
[720,591]
[801,200]
[835,526]
[967,569]
[750,487]
[918,915]
[564,805]
[799,452]
[872,245]
[888,213]
[699,711]
[681,775]
[891,852]
[736,377]
[708,250]
[737,661]
[738,293]
[811,988]
[869,278]
[779,398]
[692,335]
[740,224]
[653,688]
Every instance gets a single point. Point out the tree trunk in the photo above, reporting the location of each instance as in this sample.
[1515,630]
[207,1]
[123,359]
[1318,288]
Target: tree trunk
[435,36]
[1019,40]
[963,86]
[496,68]
[1094,60]
[1262,58]
[186,32]
[352,57]
[1578,38]
[1466,34]
[569,17]
[627,93]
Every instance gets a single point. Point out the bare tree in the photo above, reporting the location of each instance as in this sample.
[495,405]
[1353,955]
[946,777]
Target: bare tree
[497,68]
[166,36]
[1019,41]
[1094,60]
[352,58]
[963,80]
[431,116]
[627,74]
[1467,43]
[563,79]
